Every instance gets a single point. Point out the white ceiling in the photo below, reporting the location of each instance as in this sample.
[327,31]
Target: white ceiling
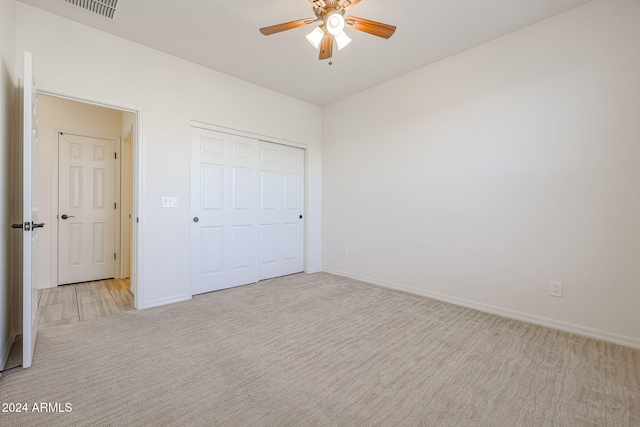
[224,36]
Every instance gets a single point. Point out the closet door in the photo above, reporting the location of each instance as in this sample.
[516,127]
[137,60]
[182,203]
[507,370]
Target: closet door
[247,210]
[281,210]
[225,197]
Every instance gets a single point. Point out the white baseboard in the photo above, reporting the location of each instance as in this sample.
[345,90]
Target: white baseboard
[6,350]
[165,301]
[586,331]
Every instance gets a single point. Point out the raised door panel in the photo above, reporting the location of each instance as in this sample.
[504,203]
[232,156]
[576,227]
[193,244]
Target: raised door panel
[211,186]
[99,190]
[242,246]
[100,245]
[211,146]
[268,244]
[76,187]
[212,244]
[290,241]
[241,190]
[291,192]
[75,244]
[269,190]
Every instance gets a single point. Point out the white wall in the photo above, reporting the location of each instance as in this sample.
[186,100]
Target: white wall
[76,60]
[482,177]
[7,117]
[62,115]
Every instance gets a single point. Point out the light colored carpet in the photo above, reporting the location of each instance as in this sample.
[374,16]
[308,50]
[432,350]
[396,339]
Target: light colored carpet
[322,350]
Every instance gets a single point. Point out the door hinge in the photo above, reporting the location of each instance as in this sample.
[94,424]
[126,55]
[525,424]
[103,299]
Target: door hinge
[115,156]
[114,206]
[114,256]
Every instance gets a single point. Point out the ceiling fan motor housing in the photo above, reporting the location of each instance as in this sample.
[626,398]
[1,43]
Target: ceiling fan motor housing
[330,8]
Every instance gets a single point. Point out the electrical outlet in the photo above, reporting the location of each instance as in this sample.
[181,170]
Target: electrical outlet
[555,289]
[345,254]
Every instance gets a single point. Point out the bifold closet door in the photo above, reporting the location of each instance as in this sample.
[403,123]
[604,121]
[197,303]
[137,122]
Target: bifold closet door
[247,217]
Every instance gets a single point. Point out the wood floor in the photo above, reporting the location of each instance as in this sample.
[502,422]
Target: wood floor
[75,303]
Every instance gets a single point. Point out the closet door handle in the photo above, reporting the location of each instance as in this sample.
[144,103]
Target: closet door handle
[65,216]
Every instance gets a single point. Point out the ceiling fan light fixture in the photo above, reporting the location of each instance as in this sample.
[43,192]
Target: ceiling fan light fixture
[342,39]
[334,23]
[315,37]
[330,32]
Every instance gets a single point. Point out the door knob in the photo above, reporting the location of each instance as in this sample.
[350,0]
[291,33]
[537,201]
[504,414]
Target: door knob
[196,219]
[65,216]
[34,225]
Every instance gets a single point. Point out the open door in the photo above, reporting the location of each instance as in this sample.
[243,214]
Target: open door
[30,212]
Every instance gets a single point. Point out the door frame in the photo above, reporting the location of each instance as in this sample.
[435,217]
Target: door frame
[265,138]
[137,196]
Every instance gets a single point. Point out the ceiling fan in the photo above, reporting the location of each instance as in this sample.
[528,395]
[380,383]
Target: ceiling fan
[331,14]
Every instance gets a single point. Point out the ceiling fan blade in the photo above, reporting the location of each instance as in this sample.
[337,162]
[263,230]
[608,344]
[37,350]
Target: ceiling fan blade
[348,4]
[372,27]
[326,47]
[286,26]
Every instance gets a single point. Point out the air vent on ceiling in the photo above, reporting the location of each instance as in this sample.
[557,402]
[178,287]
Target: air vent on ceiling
[106,8]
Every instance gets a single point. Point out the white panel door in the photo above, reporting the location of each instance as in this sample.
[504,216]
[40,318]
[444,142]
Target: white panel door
[86,208]
[30,212]
[225,211]
[281,210]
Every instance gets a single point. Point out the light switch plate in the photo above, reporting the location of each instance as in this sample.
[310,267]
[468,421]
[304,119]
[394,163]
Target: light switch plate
[170,202]
[555,289]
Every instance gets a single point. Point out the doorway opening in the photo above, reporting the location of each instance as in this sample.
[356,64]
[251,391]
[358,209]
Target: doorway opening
[87,180]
